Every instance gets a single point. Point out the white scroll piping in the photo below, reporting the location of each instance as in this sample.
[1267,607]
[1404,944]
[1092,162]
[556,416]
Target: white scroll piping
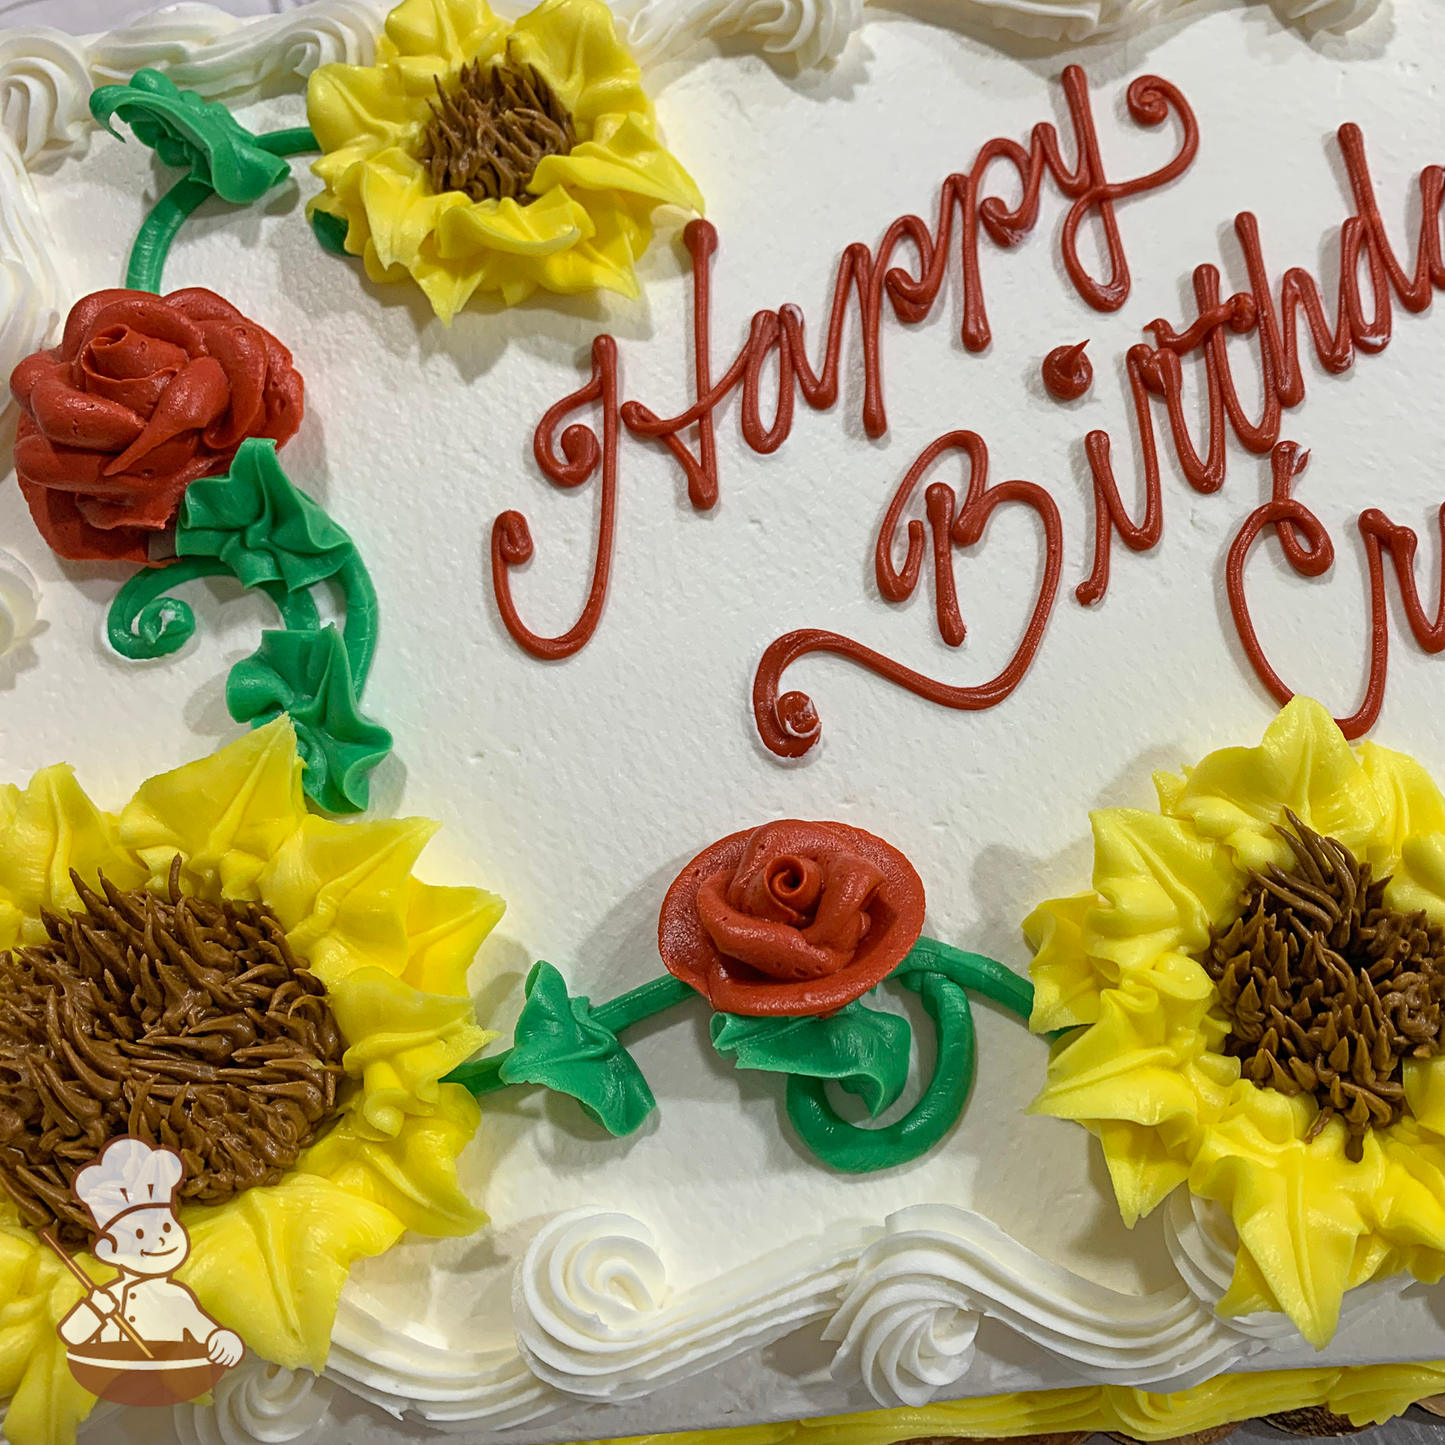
[595,1319]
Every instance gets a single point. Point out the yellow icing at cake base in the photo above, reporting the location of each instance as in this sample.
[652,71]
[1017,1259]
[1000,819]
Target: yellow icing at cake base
[1367,1394]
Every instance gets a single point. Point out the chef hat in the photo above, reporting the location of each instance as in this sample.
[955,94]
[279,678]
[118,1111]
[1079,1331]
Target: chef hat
[129,1174]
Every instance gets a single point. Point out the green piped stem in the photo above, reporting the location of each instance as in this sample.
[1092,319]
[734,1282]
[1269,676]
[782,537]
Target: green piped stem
[654,997]
[145,623]
[158,230]
[362,608]
[484,1076]
[297,609]
[971,970]
[854,1150]
[937,972]
[300,140]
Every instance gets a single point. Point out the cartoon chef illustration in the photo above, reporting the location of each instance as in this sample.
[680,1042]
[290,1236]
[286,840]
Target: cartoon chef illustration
[128,1193]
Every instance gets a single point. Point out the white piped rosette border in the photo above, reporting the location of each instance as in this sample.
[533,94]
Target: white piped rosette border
[598,1324]
[19,605]
[596,1319]
[259,1404]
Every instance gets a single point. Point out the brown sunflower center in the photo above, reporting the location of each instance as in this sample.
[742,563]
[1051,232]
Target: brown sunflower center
[186,1024]
[1326,989]
[489,133]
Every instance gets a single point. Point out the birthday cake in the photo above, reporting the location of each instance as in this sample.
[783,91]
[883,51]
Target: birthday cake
[901,545]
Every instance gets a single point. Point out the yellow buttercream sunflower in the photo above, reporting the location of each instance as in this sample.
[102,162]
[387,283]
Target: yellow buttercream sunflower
[393,954]
[1150,1073]
[478,155]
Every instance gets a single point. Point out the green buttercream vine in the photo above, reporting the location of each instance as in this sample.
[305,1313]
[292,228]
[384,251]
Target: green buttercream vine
[254,525]
[251,523]
[570,1046]
[221,157]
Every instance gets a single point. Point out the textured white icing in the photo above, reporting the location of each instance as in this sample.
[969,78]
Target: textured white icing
[579,790]
[906,1327]
[1338,16]
[46,78]
[596,1322]
[1074,20]
[44,89]
[594,1316]
[258,1403]
[810,32]
[388,1360]
[32,294]
[816,32]
[19,603]
[1202,1243]
[202,48]
[46,75]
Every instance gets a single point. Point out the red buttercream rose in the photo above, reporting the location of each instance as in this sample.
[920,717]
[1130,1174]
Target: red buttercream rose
[143,395]
[791,918]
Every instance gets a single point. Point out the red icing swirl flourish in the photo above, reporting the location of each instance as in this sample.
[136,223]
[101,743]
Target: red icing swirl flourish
[792,918]
[1067,372]
[581,455]
[789,725]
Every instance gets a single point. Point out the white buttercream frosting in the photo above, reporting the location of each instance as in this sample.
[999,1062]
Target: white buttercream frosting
[46,76]
[811,32]
[258,1403]
[905,1339]
[599,1321]
[203,49]
[595,1318]
[44,89]
[906,1325]
[1203,1244]
[1069,21]
[32,293]
[19,603]
[401,1368]
[1332,15]
[596,1321]
[815,32]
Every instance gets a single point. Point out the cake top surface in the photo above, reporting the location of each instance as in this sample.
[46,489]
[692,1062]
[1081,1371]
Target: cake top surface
[579,787]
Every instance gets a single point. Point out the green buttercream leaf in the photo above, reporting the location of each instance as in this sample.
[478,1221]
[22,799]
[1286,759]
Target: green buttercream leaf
[260,525]
[308,674]
[864,1050]
[330,231]
[559,1044]
[196,135]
